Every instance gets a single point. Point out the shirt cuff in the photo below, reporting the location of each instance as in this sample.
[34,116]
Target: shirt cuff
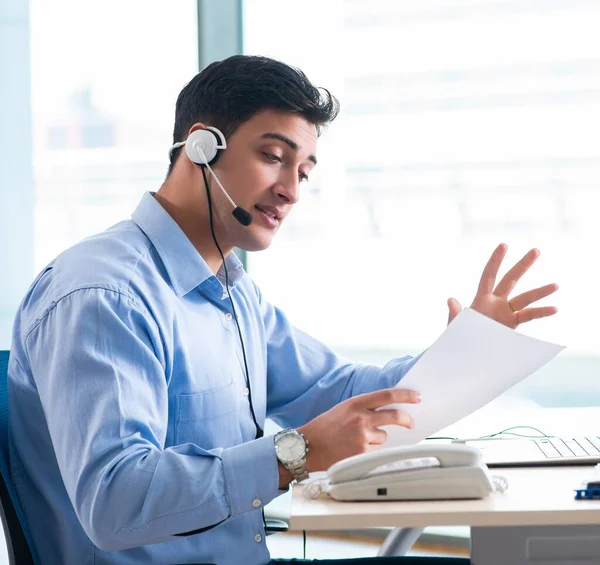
[409,365]
[252,474]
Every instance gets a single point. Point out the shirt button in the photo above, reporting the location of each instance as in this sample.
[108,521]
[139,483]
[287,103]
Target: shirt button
[257,538]
[228,316]
[246,391]
[256,502]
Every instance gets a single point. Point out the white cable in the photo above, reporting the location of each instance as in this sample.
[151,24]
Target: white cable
[314,489]
[175,146]
[500,483]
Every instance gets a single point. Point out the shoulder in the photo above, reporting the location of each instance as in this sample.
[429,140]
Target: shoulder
[111,259]
[119,260]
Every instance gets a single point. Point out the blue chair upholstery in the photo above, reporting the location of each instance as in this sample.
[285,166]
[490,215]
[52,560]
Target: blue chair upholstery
[17,536]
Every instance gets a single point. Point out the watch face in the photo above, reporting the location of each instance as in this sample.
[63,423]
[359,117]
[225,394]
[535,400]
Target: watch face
[290,448]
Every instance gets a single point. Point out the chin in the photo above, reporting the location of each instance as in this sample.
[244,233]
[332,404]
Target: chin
[255,238]
[257,242]
[256,245]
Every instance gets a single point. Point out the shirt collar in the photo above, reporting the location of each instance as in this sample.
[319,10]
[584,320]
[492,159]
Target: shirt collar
[185,266]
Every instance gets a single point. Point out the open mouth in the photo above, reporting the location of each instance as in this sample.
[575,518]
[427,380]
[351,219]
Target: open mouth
[268,214]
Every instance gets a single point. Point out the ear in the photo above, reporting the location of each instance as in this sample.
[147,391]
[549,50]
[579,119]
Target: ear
[196,127]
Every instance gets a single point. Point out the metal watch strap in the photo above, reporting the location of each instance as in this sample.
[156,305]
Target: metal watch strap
[298,469]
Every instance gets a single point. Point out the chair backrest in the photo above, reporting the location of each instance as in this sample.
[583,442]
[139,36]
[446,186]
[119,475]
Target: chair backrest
[13,519]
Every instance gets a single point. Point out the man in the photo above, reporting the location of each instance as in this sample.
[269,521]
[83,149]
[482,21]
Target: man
[144,360]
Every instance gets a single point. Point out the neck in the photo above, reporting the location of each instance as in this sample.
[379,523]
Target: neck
[190,211]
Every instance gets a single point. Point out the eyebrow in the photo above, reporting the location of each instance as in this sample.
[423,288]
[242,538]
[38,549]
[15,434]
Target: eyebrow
[289,142]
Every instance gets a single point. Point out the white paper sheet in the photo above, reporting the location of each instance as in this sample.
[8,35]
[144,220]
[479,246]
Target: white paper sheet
[475,360]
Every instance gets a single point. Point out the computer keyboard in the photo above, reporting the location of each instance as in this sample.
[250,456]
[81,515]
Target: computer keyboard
[553,447]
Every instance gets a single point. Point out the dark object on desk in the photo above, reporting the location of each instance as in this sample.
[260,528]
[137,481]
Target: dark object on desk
[587,494]
[590,489]
[525,452]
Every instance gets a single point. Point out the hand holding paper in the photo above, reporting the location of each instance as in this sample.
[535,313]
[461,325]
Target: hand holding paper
[475,360]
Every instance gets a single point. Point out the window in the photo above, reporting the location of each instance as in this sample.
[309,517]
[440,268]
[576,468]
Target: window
[463,124]
[104,81]
[103,105]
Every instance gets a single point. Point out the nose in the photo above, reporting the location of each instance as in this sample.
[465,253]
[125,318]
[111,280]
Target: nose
[288,190]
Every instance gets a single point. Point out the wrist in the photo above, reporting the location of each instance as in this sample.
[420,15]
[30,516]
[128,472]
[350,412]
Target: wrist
[310,465]
[285,477]
[291,449]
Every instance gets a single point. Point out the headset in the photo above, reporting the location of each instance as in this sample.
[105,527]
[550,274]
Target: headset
[202,147]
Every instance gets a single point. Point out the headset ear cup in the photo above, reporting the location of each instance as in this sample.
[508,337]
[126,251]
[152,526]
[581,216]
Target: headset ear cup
[201,146]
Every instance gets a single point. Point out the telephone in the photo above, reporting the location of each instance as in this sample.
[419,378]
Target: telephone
[418,472]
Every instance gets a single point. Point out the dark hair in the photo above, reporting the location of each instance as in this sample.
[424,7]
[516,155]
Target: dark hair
[228,93]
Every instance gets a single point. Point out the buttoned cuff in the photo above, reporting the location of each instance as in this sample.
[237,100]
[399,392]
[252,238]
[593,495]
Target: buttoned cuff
[252,474]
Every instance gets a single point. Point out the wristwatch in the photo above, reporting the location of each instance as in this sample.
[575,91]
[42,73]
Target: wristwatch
[291,449]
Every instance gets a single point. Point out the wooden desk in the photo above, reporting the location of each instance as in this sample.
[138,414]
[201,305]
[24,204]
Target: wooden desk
[535,496]
[536,520]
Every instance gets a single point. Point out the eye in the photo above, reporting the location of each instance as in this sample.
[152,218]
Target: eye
[272,158]
[303,177]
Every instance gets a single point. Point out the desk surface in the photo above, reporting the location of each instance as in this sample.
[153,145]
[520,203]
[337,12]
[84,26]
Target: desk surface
[535,496]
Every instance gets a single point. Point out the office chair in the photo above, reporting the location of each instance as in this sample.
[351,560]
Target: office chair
[13,519]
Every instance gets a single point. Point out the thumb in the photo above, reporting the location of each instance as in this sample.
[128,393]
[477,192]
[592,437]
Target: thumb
[454,309]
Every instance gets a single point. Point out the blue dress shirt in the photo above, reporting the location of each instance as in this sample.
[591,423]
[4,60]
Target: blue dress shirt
[132,438]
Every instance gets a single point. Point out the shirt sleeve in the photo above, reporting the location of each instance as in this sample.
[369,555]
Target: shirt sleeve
[98,365]
[305,378]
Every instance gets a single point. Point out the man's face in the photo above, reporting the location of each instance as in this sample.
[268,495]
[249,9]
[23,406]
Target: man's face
[266,161]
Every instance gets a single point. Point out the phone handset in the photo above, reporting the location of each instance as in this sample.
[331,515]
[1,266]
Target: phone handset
[417,472]
[438,455]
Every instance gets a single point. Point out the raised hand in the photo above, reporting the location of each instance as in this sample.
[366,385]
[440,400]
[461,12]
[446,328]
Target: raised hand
[496,303]
[352,427]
